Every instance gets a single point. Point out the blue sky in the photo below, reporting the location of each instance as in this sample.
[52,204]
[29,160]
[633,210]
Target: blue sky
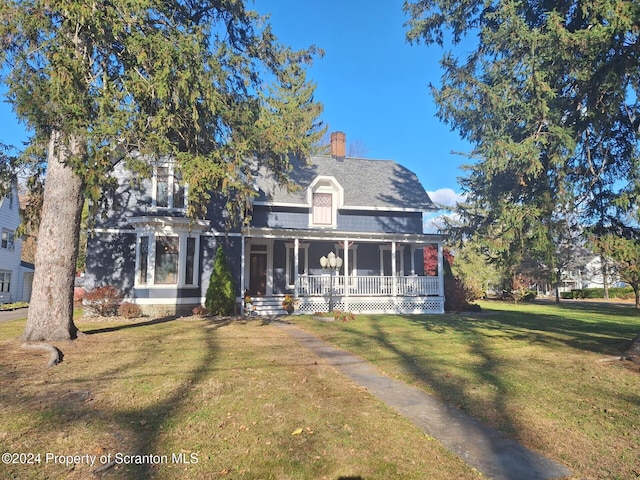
[373,84]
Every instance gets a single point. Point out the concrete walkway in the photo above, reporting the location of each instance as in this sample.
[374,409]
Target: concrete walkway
[491,452]
[6,315]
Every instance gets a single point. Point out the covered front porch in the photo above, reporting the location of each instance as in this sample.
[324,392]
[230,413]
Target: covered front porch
[378,272]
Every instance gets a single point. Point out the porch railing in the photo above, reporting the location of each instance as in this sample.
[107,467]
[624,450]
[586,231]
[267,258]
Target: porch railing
[368,285]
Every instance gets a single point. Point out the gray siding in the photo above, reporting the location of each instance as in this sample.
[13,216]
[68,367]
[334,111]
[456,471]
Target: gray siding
[111,259]
[380,222]
[348,220]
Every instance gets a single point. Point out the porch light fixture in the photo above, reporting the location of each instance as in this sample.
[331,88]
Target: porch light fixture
[332,263]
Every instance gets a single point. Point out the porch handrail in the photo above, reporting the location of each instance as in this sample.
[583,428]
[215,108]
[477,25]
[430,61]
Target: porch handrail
[369,285]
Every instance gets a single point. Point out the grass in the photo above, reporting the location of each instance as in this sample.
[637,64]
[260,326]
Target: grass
[246,401]
[532,370]
[240,398]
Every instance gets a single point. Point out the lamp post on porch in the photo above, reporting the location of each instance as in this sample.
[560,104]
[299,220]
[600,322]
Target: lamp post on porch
[332,263]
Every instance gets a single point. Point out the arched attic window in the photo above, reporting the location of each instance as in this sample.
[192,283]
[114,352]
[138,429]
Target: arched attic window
[326,196]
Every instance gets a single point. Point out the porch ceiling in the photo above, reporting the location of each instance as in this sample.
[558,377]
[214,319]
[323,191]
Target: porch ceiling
[335,235]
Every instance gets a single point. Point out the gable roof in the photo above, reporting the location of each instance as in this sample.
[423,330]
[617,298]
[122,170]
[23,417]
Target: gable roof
[368,184]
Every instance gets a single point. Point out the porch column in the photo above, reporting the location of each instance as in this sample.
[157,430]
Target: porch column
[296,263]
[394,280]
[440,270]
[345,256]
[242,273]
[412,249]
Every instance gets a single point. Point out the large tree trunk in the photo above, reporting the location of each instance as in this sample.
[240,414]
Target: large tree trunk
[51,306]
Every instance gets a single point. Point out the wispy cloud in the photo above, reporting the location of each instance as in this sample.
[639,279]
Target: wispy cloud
[446,196]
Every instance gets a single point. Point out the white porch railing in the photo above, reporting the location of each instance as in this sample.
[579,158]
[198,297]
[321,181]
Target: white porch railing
[368,285]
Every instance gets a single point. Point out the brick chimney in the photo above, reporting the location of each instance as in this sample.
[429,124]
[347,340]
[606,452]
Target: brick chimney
[338,145]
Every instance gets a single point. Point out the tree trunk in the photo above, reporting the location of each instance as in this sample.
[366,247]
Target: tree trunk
[633,352]
[604,263]
[51,306]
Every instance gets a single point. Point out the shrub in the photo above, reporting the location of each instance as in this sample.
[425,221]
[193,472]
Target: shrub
[455,294]
[129,310]
[200,310]
[103,301]
[339,315]
[586,293]
[78,294]
[220,298]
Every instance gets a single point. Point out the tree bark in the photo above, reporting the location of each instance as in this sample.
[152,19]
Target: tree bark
[633,352]
[51,306]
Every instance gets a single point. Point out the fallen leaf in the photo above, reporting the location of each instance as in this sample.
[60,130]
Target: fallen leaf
[297,431]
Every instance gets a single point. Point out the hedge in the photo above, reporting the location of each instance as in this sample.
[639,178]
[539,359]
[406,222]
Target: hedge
[624,293]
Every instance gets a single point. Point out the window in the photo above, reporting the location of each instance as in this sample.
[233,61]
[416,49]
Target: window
[189,275]
[8,239]
[169,191]
[162,187]
[5,282]
[325,196]
[322,209]
[163,259]
[167,259]
[144,260]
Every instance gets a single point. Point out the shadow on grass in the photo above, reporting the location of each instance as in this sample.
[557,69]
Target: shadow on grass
[155,321]
[135,429]
[602,329]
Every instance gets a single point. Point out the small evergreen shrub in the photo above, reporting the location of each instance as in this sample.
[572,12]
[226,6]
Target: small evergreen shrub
[129,310]
[220,298]
[103,301]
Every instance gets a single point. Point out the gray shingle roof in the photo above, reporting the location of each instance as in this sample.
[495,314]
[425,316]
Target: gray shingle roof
[381,184]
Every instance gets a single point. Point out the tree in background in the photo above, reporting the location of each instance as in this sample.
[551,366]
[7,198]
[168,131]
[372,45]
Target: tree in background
[623,248]
[203,82]
[220,298]
[549,97]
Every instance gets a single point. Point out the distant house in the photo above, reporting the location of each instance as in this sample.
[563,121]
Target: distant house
[588,275]
[368,213]
[15,276]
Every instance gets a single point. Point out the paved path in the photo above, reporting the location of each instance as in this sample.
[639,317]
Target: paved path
[7,315]
[491,452]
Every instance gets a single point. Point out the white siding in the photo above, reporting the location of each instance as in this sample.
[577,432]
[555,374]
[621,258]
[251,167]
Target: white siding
[10,257]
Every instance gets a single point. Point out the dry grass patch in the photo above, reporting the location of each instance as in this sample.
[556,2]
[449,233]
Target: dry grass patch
[532,371]
[240,398]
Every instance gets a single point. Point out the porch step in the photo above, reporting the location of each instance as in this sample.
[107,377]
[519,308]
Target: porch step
[267,306]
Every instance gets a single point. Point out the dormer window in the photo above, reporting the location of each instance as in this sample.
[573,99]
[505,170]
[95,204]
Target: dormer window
[168,189]
[325,196]
[322,209]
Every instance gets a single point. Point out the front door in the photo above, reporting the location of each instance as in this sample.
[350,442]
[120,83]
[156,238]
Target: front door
[258,273]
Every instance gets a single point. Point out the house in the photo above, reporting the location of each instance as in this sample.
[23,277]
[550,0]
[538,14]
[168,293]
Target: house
[365,214]
[16,276]
[589,275]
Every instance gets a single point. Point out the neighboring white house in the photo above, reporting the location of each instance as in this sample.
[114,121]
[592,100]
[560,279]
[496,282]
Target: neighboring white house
[15,276]
[588,276]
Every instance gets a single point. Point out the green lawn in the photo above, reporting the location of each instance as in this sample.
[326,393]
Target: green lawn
[249,402]
[532,370]
[242,399]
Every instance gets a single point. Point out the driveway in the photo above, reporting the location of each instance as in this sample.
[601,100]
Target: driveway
[7,315]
